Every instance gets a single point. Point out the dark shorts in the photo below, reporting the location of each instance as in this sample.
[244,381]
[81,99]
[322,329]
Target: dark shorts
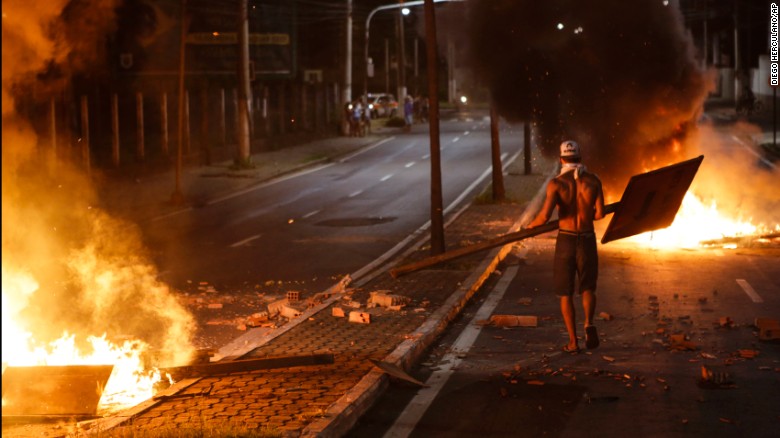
[575,257]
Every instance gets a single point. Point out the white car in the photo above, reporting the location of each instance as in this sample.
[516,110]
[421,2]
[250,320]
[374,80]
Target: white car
[382,105]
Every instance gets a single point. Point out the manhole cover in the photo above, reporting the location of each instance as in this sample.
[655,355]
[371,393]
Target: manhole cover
[355,221]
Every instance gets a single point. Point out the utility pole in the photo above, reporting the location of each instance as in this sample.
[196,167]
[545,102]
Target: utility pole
[402,55]
[243,157]
[348,66]
[178,197]
[495,153]
[437,204]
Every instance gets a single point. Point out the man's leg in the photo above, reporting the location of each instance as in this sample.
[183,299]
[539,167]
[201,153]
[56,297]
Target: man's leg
[589,306]
[567,310]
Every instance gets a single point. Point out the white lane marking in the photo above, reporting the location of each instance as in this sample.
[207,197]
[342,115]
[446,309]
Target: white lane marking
[387,177]
[238,193]
[426,156]
[455,139]
[466,133]
[310,214]
[366,149]
[353,194]
[410,164]
[749,291]
[411,415]
[245,241]
[752,151]
[360,276]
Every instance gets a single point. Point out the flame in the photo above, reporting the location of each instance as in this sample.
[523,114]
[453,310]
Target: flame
[130,383]
[697,222]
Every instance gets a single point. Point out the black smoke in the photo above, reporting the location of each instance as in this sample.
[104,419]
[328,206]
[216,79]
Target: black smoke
[620,77]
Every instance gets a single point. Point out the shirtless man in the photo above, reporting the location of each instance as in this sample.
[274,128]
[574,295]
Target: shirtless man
[579,198]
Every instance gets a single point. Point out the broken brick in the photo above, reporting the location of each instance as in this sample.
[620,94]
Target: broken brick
[337,312]
[360,317]
[514,320]
[384,299]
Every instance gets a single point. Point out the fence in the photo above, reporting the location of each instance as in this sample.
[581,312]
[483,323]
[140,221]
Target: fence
[116,129]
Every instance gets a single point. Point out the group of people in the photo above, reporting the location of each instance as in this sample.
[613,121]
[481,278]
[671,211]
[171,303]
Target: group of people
[358,118]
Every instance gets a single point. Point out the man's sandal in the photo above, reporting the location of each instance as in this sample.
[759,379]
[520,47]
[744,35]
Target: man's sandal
[591,337]
[574,350]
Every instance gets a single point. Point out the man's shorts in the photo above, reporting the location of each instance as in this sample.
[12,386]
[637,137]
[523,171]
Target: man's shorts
[575,256]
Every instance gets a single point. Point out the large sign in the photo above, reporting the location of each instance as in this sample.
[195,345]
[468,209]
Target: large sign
[651,200]
[149,36]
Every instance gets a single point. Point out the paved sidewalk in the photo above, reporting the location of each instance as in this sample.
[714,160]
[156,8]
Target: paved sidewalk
[326,400]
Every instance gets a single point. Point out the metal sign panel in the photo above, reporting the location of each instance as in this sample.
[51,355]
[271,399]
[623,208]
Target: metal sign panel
[54,390]
[651,200]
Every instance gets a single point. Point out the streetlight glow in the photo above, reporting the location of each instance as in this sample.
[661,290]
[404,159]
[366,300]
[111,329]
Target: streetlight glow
[405,11]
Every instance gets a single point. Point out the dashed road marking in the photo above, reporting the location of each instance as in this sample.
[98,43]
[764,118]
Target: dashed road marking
[410,164]
[353,194]
[749,290]
[455,139]
[245,241]
[386,177]
[310,214]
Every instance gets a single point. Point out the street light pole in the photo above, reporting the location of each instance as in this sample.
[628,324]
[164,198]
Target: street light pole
[368,27]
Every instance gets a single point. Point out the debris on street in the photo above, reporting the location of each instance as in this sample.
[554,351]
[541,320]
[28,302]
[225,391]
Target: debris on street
[513,321]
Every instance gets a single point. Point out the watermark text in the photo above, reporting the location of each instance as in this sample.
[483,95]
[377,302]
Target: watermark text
[774,58]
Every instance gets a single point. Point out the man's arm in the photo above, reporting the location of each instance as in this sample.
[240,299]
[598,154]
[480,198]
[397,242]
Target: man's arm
[547,208]
[599,207]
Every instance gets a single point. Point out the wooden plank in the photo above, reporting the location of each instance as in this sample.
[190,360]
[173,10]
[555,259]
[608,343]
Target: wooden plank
[481,246]
[243,365]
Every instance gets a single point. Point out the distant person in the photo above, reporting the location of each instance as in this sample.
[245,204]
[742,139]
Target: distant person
[578,196]
[357,119]
[408,112]
[366,119]
[424,107]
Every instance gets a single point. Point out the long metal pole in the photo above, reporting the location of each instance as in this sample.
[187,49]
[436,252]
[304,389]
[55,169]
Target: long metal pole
[348,67]
[437,204]
[495,152]
[177,197]
[243,157]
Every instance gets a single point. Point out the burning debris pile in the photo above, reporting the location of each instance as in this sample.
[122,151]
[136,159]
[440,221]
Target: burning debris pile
[78,287]
[621,78]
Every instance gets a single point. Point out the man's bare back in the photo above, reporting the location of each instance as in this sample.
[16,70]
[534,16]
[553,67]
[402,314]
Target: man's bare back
[580,201]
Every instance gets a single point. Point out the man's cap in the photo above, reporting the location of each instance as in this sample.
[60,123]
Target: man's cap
[570,148]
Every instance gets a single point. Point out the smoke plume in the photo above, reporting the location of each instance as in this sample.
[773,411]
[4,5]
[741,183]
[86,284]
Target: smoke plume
[67,265]
[618,77]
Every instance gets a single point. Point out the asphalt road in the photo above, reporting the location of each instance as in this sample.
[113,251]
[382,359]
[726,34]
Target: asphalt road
[312,228]
[517,382]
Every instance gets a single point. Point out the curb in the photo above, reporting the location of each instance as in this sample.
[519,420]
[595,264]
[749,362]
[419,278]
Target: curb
[345,412]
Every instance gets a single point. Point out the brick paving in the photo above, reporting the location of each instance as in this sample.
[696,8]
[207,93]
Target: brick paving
[300,401]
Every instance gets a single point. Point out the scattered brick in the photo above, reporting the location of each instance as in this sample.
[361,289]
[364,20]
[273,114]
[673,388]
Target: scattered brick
[514,320]
[337,312]
[360,317]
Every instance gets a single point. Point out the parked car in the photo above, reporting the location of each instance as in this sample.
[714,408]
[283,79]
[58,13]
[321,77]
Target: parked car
[382,105]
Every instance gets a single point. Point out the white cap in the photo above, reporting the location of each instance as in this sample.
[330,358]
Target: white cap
[570,148]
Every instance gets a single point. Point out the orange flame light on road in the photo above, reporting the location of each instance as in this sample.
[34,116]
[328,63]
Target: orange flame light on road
[696,222]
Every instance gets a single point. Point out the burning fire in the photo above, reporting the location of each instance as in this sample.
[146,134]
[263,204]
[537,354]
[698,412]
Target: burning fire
[131,382]
[697,222]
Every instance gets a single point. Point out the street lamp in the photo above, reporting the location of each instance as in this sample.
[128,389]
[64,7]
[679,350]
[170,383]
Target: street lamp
[404,10]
